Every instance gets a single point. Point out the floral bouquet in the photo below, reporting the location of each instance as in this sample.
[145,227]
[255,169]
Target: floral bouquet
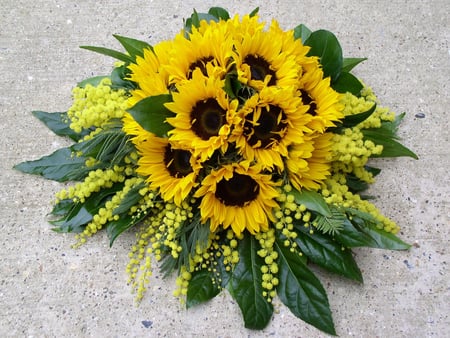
[238,153]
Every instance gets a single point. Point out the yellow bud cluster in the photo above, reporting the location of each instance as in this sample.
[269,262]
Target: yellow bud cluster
[94,182]
[182,283]
[338,194]
[269,269]
[95,106]
[106,214]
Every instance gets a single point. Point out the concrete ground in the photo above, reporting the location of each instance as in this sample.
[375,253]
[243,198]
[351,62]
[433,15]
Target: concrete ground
[48,289]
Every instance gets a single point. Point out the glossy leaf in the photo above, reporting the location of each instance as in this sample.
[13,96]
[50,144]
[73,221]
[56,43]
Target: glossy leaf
[245,285]
[109,52]
[324,251]
[131,198]
[302,32]
[391,147]
[254,12]
[352,120]
[219,13]
[301,291]
[349,63]
[347,82]
[117,227]
[325,45]
[61,166]
[119,79]
[132,46]
[59,123]
[201,288]
[93,81]
[151,114]
[312,200]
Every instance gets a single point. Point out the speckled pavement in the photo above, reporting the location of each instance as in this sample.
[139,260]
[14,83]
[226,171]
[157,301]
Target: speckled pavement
[48,289]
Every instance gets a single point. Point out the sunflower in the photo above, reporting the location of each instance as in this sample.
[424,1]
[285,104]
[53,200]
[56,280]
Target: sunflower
[171,170]
[238,195]
[148,74]
[207,49]
[322,100]
[203,115]
[270,122]
[260,60]
[308,163]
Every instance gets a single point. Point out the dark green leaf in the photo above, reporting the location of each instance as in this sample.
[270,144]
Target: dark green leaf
[194,20]
[151,114]
[347,82]
[119,79]
[109,52]
[302,32]
[132,46]
[301,291]
[115,228]
[355,184]
[391,147]
[58,123]
[245,285]
[312,201]
[254,12]
[324,251]
[61,166]
[219,13]
[352,120]
[325,45]
[349,63]
[63,207]
[201,288]
[131,198]
[93,81]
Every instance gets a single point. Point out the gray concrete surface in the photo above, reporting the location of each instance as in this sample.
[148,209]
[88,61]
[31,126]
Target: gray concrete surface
[48,289]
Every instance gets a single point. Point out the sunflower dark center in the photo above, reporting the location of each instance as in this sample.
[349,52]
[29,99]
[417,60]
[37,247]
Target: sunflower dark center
[207,117]
[268,127]
[177,162]
[307,100]
[237,191]
[260,68]
[201,64]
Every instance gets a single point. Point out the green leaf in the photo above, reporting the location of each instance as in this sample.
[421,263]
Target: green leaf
[132,46]
[332,223]
[59,123]
[131,198]
[302,32]
[93,81]
[119,79]
[254,12]
[324,251]
[352,120]
[61,166]
[201,288]
[219,13]
[347,82]
[151,114]
[349,63]
[115,228]
[391,147]
[110,52]
[312,201]
[301,291]
[325,45]
[194,20]
[62,207]
[245,285]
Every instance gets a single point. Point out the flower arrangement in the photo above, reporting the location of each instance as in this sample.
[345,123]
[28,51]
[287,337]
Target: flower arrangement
[238,153]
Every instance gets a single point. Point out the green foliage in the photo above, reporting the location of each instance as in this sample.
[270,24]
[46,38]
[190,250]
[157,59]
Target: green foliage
[350,121]
[131,198]
[245,285]
[110,52]
[201,288]
[59,123]
[119,79]
[134,47]
[302,32]
[347,82]
[322,250]
[325,45]
[125,221]
[330,224]
[60,166]
[93,81]
[219,13]
[312,201]
[349,63]
[301,291]
[386,136]
[151,114]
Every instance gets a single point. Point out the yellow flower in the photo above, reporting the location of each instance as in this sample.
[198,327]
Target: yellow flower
[173,171]
[323,101]
[238,195]
[148,73]
[270,122]
[308,163]
[203,115]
